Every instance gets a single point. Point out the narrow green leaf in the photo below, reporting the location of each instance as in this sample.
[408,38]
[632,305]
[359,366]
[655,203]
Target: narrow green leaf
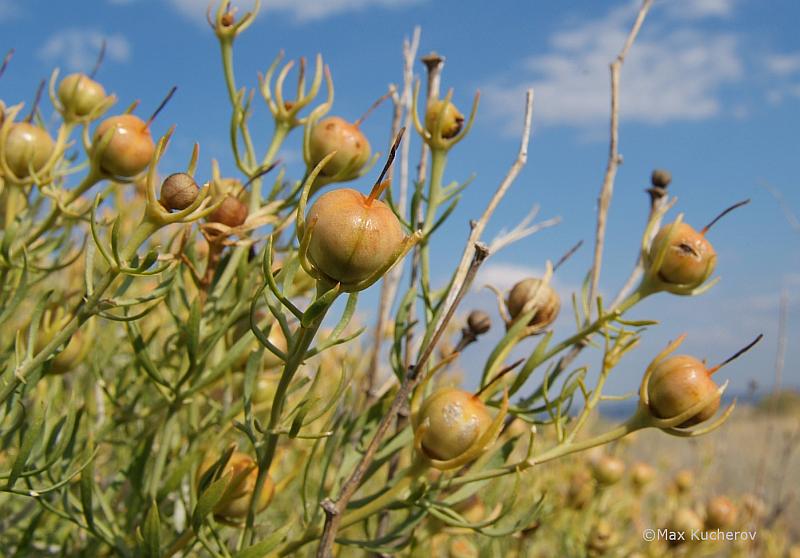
[151,532]
[531,364]
[87,486]
[29,438]
[193,331]
[208,499]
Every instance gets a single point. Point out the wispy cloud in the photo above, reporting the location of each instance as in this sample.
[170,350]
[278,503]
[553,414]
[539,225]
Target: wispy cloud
[783,64]
[9,10]
[700,9]
[784,67]
[77,49]
[674,72]
[299,10]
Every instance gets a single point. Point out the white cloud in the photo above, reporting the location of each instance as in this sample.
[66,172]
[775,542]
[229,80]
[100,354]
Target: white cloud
[783,64]
[77,49]
[699,9]
[503,275]
[777,95]
[300,10]
[671,73]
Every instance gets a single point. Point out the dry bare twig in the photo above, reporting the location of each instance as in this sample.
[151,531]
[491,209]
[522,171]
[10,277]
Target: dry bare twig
[614,158]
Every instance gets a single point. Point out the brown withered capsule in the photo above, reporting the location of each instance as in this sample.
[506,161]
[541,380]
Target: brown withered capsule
[479,322]
[178,191]
[661,178]
[529,289]
[231,212]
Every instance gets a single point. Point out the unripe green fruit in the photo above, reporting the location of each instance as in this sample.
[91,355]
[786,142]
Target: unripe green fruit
[27,146]
[455,420]
[232,212]
[178,191]
[235,504]
[689,259]
[526,290]
[677,384]
[131,147]
[721,513]
[608,470]
[353,237]
[80,95]
[452,121]
[351,146]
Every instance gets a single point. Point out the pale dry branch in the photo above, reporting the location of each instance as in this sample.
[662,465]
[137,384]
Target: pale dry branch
[523,230]
[614,157]
[479,225]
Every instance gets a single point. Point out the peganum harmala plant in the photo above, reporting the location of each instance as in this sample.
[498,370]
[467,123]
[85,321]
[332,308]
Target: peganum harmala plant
[174,379]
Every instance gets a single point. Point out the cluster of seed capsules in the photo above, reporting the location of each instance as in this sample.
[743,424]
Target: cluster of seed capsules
[452,423]
[350,239]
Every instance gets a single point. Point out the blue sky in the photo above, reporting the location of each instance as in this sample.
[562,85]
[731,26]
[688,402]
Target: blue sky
[711,91]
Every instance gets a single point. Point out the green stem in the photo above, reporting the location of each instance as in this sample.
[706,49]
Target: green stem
[266,453]
[226,47]
[531,364]
[282,129]
[14,197]
[638,421]
[438,164]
